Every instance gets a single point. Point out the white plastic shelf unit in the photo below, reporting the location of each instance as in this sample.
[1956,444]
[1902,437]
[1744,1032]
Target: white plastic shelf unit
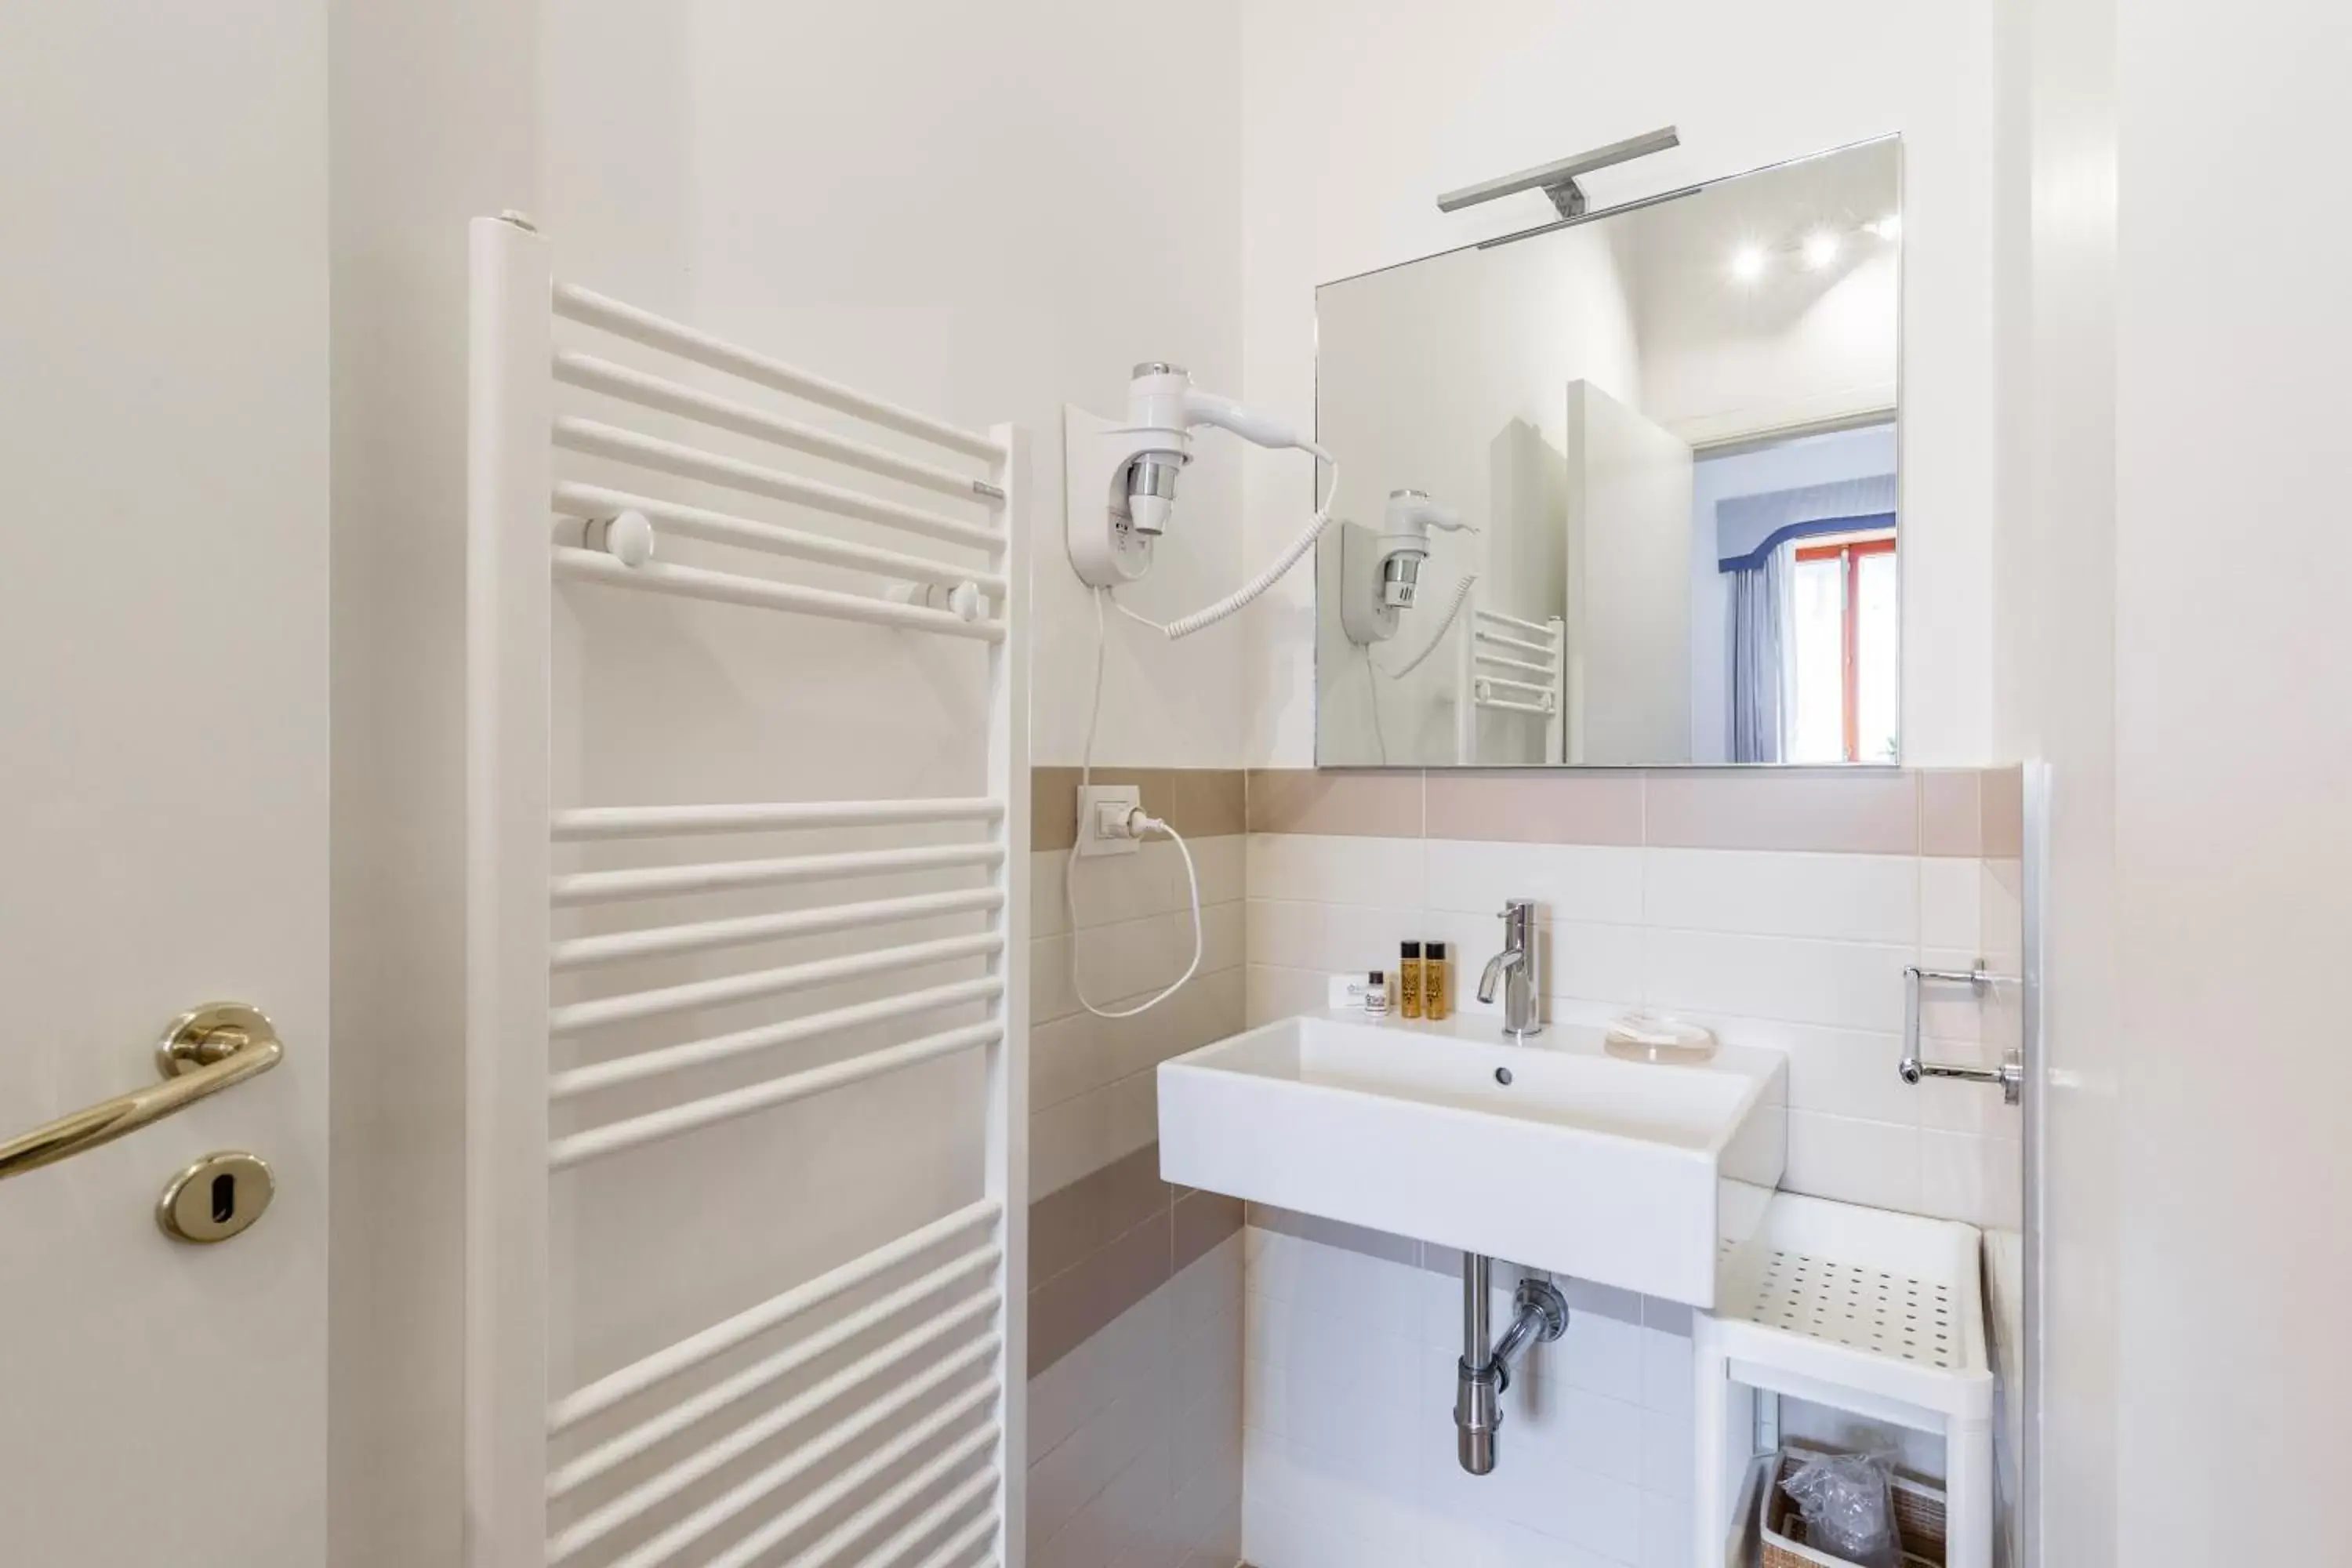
[756,1437]
[1865,1310]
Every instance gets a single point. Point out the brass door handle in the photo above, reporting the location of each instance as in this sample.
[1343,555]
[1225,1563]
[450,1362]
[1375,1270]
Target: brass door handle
[202,1053]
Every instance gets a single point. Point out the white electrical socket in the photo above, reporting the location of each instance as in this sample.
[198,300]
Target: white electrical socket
[1100,808]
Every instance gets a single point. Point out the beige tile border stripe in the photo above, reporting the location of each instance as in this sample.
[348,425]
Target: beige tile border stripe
[1105,1242]
[1958,812]
[1200,803]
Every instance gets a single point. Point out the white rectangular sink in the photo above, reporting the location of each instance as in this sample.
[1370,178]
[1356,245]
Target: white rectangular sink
[1550,1154]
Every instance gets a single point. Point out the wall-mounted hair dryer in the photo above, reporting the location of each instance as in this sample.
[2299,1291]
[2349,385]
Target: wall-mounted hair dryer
[1119,497]
[1380,573]
[1121,480]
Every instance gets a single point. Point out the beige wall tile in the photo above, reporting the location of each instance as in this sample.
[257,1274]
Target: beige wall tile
[1073,1054]
[1304,800]
[1860,812]
[1123,1361]
[1537,807]
[2003,807]
[1951,813]
[1067,1226]
[1087,1132]
[1202,1220]
[1070,1309]
[1211,803]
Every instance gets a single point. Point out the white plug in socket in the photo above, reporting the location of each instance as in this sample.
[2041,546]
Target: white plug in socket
[1103,811]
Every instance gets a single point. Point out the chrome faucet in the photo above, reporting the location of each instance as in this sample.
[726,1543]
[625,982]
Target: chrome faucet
[1514,968]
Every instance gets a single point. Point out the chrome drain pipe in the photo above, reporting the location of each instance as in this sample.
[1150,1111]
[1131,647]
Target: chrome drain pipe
[1483,1374]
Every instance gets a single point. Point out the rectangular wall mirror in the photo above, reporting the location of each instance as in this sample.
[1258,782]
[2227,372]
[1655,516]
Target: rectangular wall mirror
[1672,433]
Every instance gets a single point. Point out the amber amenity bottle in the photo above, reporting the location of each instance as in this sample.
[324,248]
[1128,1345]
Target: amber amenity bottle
[1409,980]
[1437,983]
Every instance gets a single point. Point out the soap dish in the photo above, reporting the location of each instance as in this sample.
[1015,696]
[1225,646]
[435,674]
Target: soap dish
[1657,1038]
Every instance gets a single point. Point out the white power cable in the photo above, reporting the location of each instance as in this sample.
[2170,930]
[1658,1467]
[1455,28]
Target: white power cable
[1186,625]
[1373,672]
[1452,608]
[1137,825]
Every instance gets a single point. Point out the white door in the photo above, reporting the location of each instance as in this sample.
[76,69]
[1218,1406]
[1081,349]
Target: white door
[163,766]
[1629,587]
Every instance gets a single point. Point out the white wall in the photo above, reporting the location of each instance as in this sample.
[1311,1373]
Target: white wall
[2233,765]
[947,204]
[2154,380]
[402,184]
[2055,655]
[1627,585]
[1355,115]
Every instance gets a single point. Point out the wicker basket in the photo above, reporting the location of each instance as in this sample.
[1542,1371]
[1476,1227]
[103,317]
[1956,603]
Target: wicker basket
[1918,1513]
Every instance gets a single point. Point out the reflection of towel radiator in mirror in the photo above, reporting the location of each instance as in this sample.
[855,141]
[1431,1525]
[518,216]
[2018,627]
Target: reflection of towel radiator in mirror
[1510,666]
[871,1412]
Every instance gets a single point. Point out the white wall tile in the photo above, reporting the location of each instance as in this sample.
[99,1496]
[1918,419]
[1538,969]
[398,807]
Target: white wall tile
[1130,1351]
[1840,1072]
[1598,1355]
[1872,1163]
[1853,985]
[1665,1531]
[1275,993]
[1848,897]
[1571,881]
[1328,938]
[1666,1369]
[1136,1435]
[1207,1385]
[1217,1543]
[1668,1453]
[1380,873]
[1952,902]
[1976,1180]
[1207,1289]
[1077,1471]
[1222,863]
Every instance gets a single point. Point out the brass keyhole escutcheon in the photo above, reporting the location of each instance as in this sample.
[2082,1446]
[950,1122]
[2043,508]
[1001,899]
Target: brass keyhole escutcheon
[218,1197]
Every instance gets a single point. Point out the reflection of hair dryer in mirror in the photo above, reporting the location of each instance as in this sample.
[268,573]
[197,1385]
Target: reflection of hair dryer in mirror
[1380,572]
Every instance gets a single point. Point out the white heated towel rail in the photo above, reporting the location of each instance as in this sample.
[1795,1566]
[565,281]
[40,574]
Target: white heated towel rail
[1514,667]
[872,1413]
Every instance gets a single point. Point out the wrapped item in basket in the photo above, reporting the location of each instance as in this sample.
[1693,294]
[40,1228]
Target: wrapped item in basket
[1787,1541]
